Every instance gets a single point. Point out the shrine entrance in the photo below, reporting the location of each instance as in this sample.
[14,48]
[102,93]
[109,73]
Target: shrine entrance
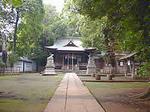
[70,61]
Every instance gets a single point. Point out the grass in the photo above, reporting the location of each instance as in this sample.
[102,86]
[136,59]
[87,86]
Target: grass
[117,85]
[119,97]
[26,92]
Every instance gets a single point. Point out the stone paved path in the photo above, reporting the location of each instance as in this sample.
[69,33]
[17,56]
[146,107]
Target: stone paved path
[72,96]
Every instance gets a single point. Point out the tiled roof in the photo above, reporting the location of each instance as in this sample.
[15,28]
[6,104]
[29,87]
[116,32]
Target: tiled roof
[128,56]
[68,44]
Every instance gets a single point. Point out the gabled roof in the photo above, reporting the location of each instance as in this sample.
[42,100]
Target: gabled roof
[67,44]
[26,59]
[71,44]
[128,56]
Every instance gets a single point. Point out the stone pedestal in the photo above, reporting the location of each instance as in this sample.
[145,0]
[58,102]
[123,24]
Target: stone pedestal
[50,66]
[91,67]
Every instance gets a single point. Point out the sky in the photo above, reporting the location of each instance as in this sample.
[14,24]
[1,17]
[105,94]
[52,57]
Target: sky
[59,4]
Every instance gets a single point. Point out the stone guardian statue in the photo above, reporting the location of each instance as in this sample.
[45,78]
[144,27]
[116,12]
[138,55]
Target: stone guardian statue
[91,67]
[50,66]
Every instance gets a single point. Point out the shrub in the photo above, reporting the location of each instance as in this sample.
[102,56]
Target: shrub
[2,64]
[144,70]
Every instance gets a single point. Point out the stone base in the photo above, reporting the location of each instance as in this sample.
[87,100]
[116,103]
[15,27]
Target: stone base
[49,71]
[48,74]
[91,71]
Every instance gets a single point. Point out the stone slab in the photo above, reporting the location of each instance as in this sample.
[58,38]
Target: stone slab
[73,96]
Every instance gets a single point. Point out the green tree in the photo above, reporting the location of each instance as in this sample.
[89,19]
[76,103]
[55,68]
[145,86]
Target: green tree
[7,19]
[2,66]
[15,3]
[53,24]
[127,26]
[30,27]
[12,58]
[100,32]
[91,32]
[71,19]
[53,28]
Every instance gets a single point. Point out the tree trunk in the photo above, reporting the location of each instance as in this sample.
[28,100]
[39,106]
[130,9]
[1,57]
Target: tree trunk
[110,46]
[15,32]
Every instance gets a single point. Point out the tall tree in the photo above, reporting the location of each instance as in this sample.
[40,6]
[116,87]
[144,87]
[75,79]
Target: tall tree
[14,5]
[54,26]
[96,10]
[71,19]
[91,32]
[128,25]
[30,26]
[7,20]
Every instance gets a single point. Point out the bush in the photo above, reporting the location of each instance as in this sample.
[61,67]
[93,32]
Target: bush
[144,70]
[2,64]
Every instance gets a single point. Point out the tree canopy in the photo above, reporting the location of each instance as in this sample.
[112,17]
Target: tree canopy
[108,25]
[127,28]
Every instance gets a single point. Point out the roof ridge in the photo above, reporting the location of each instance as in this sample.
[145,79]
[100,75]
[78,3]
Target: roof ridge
[69,38]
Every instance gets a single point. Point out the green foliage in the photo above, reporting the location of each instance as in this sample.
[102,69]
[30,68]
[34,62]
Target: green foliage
[144,69]
[127,27]
[91,32]
[39,55]
[12,58]
[30,28]
[53,28]
[53,25]
[71,20]
[2,64]
[7,17]
[15,3]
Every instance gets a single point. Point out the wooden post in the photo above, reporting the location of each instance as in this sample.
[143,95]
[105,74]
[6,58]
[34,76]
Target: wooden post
[110,74]
[72,61]
[68,62]
[63,62]
[133,69]
[126,68]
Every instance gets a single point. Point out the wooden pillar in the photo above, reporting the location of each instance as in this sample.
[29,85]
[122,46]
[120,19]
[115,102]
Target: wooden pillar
[23,69]
[77,62]
[72,61]
[63,62]
[126,67]
[68,62]
[132,69]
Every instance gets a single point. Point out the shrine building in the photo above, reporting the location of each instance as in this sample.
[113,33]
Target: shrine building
[69,54]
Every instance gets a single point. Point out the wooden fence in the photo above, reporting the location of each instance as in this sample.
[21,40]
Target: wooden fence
[118,70]
[9,70]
